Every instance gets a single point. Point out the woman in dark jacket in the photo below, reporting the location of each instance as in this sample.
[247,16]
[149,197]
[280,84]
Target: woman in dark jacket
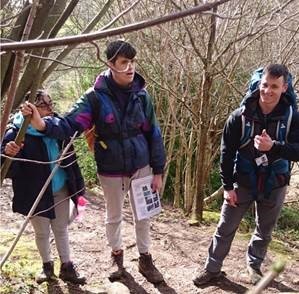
[28,178]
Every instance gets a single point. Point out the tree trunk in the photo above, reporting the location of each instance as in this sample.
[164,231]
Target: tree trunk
[7,60]
[43,25]
[13,85]
[203,158]
[188,183]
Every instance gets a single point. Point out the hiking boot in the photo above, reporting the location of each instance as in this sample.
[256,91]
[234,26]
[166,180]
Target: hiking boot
[68,273]
[148,269]
[118,265]
[206,277]
[254,274]
[47,273]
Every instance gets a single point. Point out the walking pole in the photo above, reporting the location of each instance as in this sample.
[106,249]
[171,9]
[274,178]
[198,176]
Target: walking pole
[276,269]
[41,193]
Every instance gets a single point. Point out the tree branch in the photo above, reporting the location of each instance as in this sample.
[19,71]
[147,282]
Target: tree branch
[111,32]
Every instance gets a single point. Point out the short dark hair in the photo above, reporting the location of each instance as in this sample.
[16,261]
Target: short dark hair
[40,93]
[277,70]
[119,48]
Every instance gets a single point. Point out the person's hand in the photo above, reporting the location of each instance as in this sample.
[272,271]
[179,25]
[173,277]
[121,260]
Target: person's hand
[263,142]
[231,197]
[157,183]
[12,149]
[36,121]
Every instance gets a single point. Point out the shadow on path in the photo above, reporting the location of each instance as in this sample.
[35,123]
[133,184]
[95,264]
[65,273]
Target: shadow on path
[282,287]
[54,287]
[226,285]
[135,288]
[129,281]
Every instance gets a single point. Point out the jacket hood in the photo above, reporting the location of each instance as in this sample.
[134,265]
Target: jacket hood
[250,106]
[138,83]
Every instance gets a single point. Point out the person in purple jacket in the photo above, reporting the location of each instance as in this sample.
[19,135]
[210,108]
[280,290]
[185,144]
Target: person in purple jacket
[128,146]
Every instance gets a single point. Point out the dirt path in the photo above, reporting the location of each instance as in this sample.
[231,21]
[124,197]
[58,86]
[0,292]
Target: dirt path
[178,250]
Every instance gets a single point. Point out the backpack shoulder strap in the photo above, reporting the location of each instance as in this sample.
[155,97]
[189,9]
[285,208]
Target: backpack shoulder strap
[94,104]
[283,127]
[247,131]
[142,96]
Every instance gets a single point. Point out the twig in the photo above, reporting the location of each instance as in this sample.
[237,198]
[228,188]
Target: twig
[14,16]
[56,204]
[37,161]
[60,62]
[217,194]
[277,268]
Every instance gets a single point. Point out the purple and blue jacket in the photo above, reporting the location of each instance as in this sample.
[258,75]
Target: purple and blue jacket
[128,134]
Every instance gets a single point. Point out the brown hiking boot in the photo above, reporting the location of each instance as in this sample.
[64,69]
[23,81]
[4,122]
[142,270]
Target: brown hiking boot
[118,265]
[254,274]
[205,277]
[68,273]
[47,273]
[148,269]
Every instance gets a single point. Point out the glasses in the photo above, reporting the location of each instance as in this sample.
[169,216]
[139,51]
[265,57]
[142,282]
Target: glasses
[44,105]
[124,64]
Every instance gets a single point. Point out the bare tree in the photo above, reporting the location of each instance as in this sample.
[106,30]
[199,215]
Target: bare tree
[197,68]
[214,55]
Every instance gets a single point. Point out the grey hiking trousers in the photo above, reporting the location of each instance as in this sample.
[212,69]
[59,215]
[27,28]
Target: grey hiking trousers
[266,215]
[59,226]
[115,189]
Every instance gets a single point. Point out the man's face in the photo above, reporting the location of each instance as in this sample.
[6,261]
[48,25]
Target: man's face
[271,89]
[123,70]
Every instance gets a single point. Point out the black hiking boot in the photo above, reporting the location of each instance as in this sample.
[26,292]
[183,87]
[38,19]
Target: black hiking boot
[205,277]
[148,269]
[118,266]
[47,273]
[68,273]
[254,274]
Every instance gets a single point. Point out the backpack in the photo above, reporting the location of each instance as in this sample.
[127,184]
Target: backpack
[284,124]
[255,81]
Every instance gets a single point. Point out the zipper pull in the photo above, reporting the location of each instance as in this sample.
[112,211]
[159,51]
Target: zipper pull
[102,143]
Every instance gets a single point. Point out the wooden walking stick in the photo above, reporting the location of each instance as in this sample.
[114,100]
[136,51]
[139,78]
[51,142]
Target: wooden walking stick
[276,269]
[41,193]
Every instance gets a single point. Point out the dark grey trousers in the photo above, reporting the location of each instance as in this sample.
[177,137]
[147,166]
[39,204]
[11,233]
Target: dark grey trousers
[266,215]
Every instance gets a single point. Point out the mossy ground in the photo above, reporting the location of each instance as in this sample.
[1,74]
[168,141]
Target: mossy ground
[19,270]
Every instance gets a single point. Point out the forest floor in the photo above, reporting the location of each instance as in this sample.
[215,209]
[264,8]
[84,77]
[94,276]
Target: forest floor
[179,251]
